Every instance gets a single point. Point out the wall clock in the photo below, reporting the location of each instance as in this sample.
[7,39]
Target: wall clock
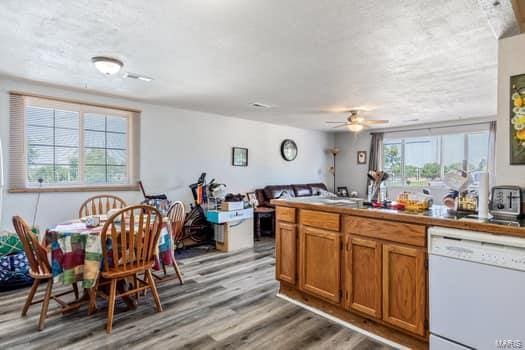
[288,150]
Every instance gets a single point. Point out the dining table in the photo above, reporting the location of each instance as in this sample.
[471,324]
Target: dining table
[76,251]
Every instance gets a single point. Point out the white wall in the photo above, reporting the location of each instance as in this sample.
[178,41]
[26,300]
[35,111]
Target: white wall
[348,172]
[176,146]
[511,61]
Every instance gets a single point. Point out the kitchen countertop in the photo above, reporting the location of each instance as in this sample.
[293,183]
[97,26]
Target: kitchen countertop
[437,216]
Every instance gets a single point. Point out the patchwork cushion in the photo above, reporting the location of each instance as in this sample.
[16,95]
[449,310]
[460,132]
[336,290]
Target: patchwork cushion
[10,244]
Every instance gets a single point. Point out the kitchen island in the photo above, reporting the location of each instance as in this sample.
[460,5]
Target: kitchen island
[366,267]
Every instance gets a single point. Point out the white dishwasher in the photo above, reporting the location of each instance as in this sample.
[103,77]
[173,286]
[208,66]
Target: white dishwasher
[476,290]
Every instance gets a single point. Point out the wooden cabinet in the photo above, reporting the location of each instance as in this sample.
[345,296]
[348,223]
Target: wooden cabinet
[379,265]
[319,263]
[363,275]
[404,287]
[286,252]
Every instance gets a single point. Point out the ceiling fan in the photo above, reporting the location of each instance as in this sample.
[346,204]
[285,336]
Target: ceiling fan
[355,122]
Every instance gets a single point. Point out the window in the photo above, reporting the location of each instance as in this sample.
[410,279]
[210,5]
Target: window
[392,151]
[105,149]
[424,160]
[71,145]
[52,145]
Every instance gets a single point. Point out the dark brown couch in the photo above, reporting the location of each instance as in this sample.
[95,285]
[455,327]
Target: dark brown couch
[266,194]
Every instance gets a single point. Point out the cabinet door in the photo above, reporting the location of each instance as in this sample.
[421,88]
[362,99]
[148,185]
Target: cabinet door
[320,264]
[404,287]
[286,252]
[363,275]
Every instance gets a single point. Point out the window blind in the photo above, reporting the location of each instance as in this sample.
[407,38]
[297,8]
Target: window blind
[71,145]
[17,146]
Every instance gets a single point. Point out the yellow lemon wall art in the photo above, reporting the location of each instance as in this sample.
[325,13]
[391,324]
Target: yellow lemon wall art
[517,119]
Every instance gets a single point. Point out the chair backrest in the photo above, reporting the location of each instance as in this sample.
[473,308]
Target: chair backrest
[101,204]
[176,215]
[134,233]
[36,254]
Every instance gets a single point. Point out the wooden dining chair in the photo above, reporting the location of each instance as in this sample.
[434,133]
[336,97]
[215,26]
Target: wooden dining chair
[133,235]
[176,215]
[100,205]
[40,271]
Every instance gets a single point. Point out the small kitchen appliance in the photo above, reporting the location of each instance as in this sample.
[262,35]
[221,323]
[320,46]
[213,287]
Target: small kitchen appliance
[507,202]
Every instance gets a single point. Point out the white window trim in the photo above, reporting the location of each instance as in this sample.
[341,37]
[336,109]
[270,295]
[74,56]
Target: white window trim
[18,181]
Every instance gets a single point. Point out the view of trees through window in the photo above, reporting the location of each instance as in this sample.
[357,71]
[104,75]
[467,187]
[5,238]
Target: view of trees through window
[423,161]
[56,139]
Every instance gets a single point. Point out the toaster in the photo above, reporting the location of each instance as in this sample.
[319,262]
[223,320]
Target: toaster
[507,202]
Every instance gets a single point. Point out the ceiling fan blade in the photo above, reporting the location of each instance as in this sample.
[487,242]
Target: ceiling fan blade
[331,122]
[340,125]
[376,121]
[324,111]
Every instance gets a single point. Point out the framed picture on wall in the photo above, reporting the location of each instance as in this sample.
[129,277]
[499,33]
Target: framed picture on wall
[239,156]
[517,119]
[361,157]
[342,191]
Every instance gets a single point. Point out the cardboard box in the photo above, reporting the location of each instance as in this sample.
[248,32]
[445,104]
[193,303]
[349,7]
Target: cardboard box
[228,206]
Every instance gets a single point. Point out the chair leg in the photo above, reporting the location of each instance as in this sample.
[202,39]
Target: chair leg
[177,271]
[111,304]
[75,290]
[45,304]
[32,293]
[136,286]
[154,292]
[92,308]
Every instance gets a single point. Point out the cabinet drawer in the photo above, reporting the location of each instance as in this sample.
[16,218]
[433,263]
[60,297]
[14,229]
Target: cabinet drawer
[388,230]
[285,214]
[328,221]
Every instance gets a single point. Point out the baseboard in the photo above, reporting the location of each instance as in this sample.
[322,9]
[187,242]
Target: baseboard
[343,323]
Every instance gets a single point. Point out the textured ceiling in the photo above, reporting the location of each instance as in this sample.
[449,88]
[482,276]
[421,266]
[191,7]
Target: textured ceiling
[404,60]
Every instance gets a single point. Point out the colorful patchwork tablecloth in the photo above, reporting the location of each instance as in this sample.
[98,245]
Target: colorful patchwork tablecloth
[76,252]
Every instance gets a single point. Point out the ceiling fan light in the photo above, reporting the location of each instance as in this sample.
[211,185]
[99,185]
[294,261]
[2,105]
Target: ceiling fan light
[355,127]
[107,65]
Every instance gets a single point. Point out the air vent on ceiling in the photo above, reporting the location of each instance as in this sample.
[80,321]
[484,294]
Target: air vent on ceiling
[137,76]
[261,105]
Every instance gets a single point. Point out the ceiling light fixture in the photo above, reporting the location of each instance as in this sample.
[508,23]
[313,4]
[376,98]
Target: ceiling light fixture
[107,65]
[355,127]
[137,76]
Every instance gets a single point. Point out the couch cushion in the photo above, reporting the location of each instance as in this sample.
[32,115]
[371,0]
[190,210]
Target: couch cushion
[273,192]
[302,190]
[316,188]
